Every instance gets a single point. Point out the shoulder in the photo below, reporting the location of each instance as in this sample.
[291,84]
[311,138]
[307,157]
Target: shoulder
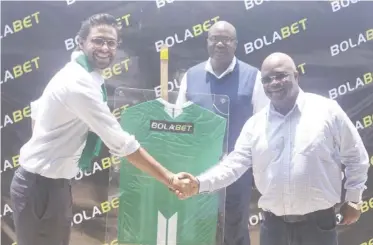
[73,79]
[197,66]
[246,65]
[320,105]
[316,100]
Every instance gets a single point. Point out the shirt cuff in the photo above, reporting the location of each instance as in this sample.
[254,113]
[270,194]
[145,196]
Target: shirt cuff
[130,147]
[353,195]
[133,146]
[204,184]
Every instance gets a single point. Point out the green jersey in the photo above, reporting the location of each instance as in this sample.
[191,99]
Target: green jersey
[186,140]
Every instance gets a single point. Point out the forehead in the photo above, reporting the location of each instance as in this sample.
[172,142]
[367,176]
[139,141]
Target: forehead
[276,66]
[221,31]
[104,31]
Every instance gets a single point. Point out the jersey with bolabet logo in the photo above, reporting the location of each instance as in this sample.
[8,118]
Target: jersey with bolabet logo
[191,141]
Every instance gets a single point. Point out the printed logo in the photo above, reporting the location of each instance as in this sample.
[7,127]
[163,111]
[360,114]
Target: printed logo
[249,4]
[353,42]
[193,32]
[172,86]
[21,69]
[338,4]
[285,32]
[351,85]
[21,24]
[166,230]
[173,127]
[162,3]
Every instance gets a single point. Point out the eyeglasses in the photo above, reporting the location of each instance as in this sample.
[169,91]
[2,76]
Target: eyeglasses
[225,40]
[277,77]
[99,42]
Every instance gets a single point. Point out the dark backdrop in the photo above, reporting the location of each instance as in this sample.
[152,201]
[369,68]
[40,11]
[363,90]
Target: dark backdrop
[330,41]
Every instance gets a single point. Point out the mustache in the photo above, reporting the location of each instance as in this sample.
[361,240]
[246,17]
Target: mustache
[275,88]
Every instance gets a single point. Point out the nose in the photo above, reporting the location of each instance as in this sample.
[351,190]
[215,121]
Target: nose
[274,82]
[105,47]
[220,44]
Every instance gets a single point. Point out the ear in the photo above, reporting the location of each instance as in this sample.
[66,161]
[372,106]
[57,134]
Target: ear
[80,43]
[235,44]
[296,76]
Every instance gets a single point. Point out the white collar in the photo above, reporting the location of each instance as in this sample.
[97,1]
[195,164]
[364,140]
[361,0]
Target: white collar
[299,104]
[95,74]
[75,54]
[230,68]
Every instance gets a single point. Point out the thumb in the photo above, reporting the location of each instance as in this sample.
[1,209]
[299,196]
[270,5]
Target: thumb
[184,175]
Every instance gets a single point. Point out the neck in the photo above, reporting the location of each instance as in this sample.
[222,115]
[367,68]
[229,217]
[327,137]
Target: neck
[220,66]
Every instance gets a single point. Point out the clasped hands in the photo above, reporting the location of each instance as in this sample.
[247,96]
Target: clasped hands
[184,185]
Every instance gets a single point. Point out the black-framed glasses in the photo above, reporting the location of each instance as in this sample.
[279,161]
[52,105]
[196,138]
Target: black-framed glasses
[99,42]
[277,77]
[223,39]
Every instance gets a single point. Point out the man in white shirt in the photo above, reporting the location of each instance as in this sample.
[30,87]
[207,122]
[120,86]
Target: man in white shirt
[296,147]
[224,74]
[71,119]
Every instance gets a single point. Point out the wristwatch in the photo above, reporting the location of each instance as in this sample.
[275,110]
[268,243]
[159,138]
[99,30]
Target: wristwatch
[355,205]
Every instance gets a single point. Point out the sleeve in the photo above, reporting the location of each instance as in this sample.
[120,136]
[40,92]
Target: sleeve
[181,98]
[84,99]
[259,99]
[34,109]
[352,154]
[232,167]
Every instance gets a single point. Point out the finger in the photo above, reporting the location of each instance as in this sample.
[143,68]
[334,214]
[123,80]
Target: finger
[179,194]
[184,175]
[182,196]
[346,221]
[352,221]
[183,184]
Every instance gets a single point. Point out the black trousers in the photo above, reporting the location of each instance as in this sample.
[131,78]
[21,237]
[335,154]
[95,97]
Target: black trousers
[317,228]
[237,211]
[42,209]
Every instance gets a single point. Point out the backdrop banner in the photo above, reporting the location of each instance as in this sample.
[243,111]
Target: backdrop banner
[330,41]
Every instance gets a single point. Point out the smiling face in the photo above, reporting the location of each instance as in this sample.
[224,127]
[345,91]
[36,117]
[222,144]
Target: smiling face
[280,80]
[100,46]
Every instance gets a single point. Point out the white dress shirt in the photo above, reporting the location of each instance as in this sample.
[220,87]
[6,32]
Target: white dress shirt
[259,99]
[70,105]
[297,159]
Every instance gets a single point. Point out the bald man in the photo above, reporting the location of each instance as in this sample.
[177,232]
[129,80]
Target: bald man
[296,147]
[224,74]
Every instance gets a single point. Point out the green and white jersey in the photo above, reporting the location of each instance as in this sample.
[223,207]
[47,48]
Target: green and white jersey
[189,139]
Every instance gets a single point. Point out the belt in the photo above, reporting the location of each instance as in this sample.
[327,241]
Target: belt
[299,218]
[41,179]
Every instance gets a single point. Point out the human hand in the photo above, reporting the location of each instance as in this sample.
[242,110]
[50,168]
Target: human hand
[350,215]
[185,185]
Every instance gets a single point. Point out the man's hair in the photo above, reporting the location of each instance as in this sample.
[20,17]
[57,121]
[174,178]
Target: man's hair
[97,20]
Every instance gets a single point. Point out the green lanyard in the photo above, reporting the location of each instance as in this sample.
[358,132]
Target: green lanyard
[93,144]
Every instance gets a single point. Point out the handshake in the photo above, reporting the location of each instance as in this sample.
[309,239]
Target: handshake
[184,185]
